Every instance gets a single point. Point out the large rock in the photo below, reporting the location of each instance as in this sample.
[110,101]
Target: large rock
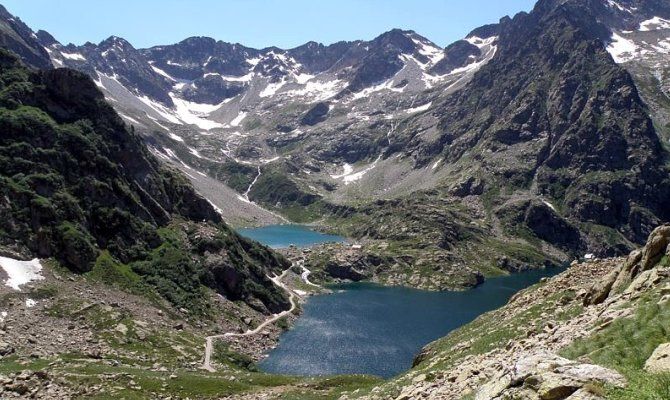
[601,289]
[629,270]
[546,376]
[583,394]
[655,247]
[557,387]
[644,259]
[659,361]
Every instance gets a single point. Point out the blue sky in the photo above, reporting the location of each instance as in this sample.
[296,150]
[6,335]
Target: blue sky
[258,23]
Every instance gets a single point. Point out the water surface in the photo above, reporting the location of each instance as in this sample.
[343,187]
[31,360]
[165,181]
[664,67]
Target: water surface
[368,329]
[282,236]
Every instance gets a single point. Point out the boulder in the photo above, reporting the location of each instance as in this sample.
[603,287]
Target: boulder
[5,348]
[643,281]
[547,376]
[659,361]
[601,289]
[628,271]
[645,259]
[557,387]
[655,247]
[494,387]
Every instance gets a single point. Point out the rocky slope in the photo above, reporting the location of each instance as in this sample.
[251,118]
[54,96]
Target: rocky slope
[549,146]
[79,186]
[592,332]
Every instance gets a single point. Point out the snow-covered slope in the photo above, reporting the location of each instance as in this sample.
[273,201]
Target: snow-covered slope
[640,41]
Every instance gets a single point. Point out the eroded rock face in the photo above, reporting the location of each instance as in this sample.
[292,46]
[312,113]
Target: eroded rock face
[356,268]
[644,259]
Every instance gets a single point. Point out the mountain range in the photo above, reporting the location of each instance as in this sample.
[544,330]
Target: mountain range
[531,132]
[532,142]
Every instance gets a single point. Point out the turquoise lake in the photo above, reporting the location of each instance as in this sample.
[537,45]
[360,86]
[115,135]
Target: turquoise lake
[282,236]
[363,328]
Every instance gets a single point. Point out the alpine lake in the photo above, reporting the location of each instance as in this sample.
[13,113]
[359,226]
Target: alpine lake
[364,328]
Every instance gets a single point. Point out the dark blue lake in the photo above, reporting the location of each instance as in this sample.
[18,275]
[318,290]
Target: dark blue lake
[281,236]
[368,329]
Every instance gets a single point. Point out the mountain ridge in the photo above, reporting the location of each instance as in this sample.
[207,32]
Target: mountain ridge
[398,115]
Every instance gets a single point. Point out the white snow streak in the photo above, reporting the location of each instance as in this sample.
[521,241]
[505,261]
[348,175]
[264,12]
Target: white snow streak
[21,272]
[73,56]
[622,49]
[653,24]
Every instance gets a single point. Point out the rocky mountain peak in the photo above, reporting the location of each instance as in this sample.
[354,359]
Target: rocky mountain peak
[45,38]
[19,38]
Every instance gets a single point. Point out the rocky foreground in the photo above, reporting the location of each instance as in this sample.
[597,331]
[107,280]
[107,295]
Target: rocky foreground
[596,331]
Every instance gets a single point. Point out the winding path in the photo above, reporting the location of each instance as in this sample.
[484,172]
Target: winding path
[209,341]
[305,275]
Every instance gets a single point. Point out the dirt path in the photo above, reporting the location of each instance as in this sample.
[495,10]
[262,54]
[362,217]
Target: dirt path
[305,275]
[209,341]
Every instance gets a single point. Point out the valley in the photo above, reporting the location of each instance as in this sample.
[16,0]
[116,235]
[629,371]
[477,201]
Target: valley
[365,219]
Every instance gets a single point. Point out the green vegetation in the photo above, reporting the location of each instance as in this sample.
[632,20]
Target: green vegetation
[171,269]
[274,188]
[224,356]
[109,271]
[625,345]
[85,190]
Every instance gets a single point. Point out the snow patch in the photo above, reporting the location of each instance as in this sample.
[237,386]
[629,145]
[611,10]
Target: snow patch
[21,272]
[131,119]
[548,204]
[217,209]
[302,78]
[348,169]
[614,4]
[622,49]
[481,42]
[193,113]
[175,137]
[163,73]
[229,78]
[238,120]
[350,176]
[195,153]
[272,88]
[433,53]
[30,303]
[320,90]
[73,56]
[388,85]
[419,108]
[653,24]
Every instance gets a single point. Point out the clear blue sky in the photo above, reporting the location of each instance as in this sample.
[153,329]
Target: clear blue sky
[258,23]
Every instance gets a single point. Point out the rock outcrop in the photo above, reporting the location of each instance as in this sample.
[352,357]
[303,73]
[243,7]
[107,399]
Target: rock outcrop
[659,362]
[523,350]
[546,376]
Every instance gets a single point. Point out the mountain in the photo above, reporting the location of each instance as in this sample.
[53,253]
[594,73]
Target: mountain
[528,143]
[547,153]
[78,185]
[530,137]
[19,38]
